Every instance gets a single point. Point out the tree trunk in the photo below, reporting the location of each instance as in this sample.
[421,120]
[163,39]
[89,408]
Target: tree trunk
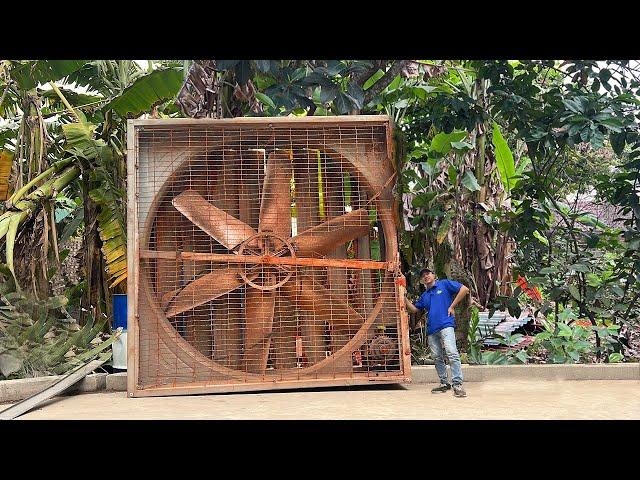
[94,297]
[33,243]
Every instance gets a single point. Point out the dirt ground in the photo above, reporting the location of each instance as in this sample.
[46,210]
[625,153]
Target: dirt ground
[512,399]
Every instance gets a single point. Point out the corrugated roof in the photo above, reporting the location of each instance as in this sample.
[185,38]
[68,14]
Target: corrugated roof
[501,323]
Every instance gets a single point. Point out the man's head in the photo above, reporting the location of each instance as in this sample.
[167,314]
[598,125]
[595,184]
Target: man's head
[427,277]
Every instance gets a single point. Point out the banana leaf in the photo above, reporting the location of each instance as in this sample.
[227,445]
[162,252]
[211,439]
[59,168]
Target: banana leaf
[111,227]
[6,162]
[147,92]
[31,74]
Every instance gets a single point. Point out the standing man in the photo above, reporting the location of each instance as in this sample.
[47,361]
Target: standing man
[439,301]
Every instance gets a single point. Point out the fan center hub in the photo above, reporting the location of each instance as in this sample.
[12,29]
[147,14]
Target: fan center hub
[264,272]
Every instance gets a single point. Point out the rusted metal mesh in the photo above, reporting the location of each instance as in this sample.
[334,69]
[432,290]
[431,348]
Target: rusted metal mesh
[262,254]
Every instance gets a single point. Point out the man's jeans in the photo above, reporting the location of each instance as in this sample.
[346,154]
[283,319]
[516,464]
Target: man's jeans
[447,338]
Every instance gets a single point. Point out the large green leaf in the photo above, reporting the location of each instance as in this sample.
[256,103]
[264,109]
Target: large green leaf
[373,79]
[430,167]
[328,93]
[522,356]
[80,139]
[541,238]
[564,330]
[575,293]
[147,92]
[469,181]
[443,230]
[264,99]
[504,159]
[591,220]
[423,199]
[31,74]
[615,357]
[342,103]
[72,226]
[452,172]
[442,142]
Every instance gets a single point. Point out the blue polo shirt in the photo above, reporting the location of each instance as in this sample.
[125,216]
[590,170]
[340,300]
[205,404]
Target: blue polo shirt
[436,301]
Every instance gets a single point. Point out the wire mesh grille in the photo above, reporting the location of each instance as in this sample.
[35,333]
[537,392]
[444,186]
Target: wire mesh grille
[263,254]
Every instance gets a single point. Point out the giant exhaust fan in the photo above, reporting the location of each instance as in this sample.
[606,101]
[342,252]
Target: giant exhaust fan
[263,255]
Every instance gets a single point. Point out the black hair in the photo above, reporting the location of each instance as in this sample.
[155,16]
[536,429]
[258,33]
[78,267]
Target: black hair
[425,270]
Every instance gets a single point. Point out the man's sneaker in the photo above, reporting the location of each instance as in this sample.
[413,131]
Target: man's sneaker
[442,388]
[458,391]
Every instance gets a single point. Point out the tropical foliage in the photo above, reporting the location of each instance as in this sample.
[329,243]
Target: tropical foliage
[63,135]
[500,163]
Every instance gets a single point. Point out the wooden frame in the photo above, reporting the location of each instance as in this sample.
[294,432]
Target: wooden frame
[134,254]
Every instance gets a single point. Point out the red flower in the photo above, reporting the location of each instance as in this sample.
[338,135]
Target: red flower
[533,293]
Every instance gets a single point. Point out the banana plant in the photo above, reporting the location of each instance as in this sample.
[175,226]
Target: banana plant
[23,205]
[116,90]
[111,222]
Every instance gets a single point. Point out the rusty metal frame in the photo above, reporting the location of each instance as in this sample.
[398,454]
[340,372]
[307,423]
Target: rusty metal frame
[135,253]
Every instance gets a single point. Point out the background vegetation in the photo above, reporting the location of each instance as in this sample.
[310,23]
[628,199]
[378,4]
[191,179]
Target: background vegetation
[515,176]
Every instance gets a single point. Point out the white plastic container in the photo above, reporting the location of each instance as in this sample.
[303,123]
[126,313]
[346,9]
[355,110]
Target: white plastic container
[119,346]
[120,351]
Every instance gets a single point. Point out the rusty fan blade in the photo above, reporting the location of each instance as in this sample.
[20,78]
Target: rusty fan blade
[204,289]
[275,207]
[326,237]
[314,299]
[221,226]
[259,311]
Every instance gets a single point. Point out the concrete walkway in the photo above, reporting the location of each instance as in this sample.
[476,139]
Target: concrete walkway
[493,399]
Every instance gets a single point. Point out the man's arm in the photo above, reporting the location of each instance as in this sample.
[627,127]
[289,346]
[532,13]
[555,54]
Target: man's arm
[461,294]
[410,306]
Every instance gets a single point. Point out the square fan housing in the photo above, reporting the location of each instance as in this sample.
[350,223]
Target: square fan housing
[262,255]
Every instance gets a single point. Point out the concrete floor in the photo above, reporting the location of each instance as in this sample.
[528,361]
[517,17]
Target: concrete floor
[498,399]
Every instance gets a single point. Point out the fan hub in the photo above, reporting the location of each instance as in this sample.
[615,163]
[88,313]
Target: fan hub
[266,246]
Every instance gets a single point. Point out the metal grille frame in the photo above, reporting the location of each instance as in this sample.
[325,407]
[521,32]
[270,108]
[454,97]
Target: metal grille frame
[175,345]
